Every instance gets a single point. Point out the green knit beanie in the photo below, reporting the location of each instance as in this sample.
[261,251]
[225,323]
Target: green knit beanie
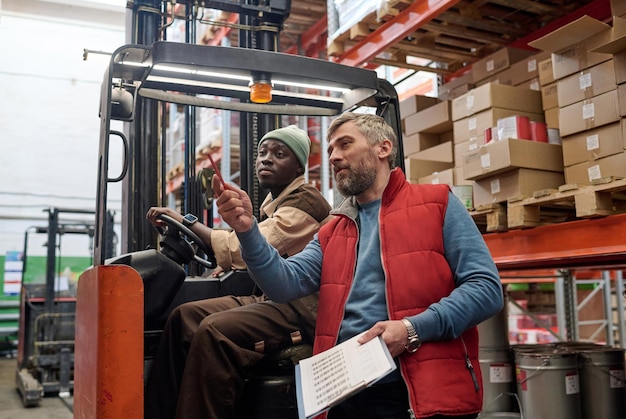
[295,138]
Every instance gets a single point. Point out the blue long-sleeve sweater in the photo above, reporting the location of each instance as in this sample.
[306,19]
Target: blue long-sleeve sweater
[477,297]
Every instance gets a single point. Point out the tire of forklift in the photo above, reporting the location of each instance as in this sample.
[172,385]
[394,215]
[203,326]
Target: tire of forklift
[269,397]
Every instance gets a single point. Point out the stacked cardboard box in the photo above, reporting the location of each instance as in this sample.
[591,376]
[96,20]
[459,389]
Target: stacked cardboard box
[477,112]
[586,91]
[427,136]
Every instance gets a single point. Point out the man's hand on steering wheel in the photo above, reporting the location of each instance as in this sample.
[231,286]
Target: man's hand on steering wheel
[161,217]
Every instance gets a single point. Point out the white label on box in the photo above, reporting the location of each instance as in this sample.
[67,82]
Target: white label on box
[495,186]
[490,66]
[617,378]
[594,172]
[585,81]
[593,142]
[471,124]
[485,160]
[588,111]
[531,66]
[534,85]
[500,373]
[473,145]
[469,102]
[571,383]
[435,181]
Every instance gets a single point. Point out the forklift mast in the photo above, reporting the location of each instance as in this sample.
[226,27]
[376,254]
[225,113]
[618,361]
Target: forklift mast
[143,186]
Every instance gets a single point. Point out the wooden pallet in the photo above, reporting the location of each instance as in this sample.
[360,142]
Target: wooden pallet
[606,196]
[490,218]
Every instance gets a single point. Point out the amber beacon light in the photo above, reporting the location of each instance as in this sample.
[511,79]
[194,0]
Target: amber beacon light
[261,88]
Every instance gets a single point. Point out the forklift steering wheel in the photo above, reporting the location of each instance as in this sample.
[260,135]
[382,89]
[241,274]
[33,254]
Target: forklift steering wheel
[173,240]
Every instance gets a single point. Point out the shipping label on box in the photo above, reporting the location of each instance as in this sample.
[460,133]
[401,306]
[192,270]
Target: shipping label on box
[501,156]
[587,83]
[528,68]
[587,172]
[494,95]
[498,61]
[595,143]
[589,113]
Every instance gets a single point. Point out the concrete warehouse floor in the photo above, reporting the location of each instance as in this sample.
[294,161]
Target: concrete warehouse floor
[11,406]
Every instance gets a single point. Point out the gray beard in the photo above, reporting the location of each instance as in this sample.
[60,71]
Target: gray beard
[356,182]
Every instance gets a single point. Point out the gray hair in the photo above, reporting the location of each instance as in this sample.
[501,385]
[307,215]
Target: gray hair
[373,127]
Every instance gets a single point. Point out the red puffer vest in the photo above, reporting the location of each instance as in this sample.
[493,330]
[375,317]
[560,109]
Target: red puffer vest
[417,275]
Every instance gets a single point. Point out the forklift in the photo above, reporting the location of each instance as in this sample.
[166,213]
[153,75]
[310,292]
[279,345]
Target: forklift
[45,351]
[122,302]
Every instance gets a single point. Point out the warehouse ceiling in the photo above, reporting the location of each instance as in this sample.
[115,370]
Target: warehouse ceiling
[456,35]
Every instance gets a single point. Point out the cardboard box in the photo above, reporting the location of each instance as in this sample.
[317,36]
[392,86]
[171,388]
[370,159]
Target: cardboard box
[527,68]
[456,87]
[501,156]
[552,117]
[589,113]
[474,126]
[546,75]
[532,84]
[441,152]
[435,119]
[501,77]
[550,96]
[586,172]
[444,177]
[587,83]
[498,61]
[595,143]
[571,45]
[458,177]
[514,183]
[415,169]
[494,95]
[415,103]
[461,148]
[621,99]
[616,45]
[411,144]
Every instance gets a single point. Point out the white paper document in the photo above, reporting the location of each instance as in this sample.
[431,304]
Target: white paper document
[330,377]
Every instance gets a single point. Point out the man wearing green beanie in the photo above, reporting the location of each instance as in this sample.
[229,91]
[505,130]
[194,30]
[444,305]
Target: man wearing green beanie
[295,138]
[206,345]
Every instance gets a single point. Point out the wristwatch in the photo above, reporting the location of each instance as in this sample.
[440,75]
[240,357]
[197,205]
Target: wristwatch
[189,220]
[414,342]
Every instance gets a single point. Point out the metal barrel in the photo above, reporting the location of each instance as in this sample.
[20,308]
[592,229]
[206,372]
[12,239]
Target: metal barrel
[497,368]
[602,383]
[493,333]
[548,383]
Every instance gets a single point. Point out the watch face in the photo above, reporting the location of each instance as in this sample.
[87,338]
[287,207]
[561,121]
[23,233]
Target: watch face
[413,345]
[189,219]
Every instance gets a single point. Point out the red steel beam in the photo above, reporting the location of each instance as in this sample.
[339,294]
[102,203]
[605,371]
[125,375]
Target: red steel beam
[394,30]
[312,40]
[583,243]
